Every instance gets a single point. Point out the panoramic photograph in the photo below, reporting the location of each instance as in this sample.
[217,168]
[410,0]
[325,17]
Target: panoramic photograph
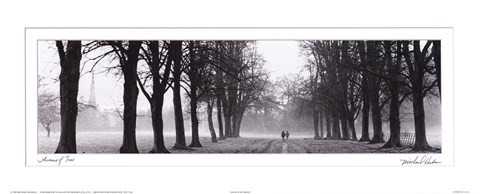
[239,96]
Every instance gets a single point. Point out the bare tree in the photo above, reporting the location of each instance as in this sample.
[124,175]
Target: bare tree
[375,67]
[219,92]
[210,103]
[365,92]
[127,54]
[156,61]
[200,78]
[393,85]
[128,62]
[418,65]
[240,82]
[175,51]
[48,110]
[194,73]
[69,77]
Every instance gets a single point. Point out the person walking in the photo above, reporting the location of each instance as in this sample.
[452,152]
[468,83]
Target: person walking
[287,134]
[283,135]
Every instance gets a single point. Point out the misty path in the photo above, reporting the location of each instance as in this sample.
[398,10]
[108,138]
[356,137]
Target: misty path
[285,147]
[309,145]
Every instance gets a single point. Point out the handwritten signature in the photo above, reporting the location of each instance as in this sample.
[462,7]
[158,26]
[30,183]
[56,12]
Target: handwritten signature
[424,160]
[59,161]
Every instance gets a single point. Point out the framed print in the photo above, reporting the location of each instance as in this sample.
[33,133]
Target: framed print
[271,97]
[223,97]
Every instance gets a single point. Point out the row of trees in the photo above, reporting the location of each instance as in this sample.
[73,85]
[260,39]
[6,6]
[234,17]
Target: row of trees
[227,75]
[351,78]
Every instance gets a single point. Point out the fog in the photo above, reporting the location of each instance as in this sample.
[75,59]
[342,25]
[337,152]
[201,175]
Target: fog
[253,125]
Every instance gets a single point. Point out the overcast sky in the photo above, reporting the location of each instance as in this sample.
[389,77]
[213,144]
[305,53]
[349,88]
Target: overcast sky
[282,58]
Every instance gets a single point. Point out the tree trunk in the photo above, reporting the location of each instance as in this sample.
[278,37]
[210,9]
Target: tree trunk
[219,93]
[394,117]
[236,121]
[157,100]
[219,118]
[210,120]
[194,79]
[157,123]
[375,93]
[365,109]
[336,126]
[130,95]
[352,111]
[345,131]
[222,103]
[176,47]
[48,131]
[233,106]
[351,123]
[437,48]
[228,124]
[226,114]
[321,123]
[69,77]
[343,89]
[420,132]
[238,124]
[328,124]
[193,112]
[234,125]
[418,107]
[376,117]
[315,123]
[365,97]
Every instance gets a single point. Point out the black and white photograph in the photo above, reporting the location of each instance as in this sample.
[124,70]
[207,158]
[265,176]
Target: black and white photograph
[239,96]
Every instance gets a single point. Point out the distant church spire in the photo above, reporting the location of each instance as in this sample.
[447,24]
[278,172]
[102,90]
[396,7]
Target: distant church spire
[92,101]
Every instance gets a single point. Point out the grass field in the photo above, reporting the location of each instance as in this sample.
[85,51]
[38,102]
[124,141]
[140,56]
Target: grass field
[110,142]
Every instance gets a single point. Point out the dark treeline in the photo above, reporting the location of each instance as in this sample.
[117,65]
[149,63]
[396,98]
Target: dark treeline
[368,78]
[225,75]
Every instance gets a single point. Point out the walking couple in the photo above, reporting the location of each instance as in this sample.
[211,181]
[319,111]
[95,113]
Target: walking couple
[285,135]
